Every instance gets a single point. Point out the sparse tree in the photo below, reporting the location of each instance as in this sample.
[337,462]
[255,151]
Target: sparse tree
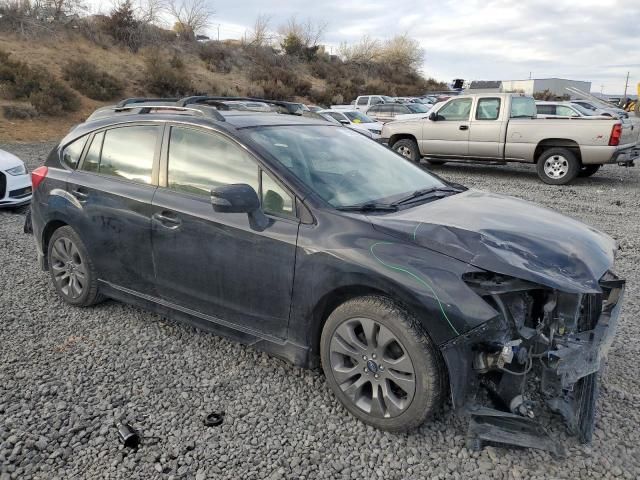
[402,50]
[260,35]
[308,33]
[365,51]
[191,16]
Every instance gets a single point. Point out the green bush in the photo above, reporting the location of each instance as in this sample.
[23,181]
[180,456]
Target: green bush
[91,82]
[55,99]
[166,77]
[48,95]
[20,112]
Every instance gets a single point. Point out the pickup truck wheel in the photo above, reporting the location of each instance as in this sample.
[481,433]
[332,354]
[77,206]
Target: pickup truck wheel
[557,166]
[588,170]
[408,148]
[381,365]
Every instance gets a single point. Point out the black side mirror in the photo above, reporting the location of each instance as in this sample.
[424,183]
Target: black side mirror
[433,116]
[235,198]
[240,198]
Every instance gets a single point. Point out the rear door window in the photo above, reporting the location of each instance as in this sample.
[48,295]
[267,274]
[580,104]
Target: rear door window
[92,158]
[124,152]
[488,109]
[363,100]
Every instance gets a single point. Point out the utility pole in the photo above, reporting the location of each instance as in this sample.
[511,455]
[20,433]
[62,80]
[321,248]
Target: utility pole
[626,85]
[218,32]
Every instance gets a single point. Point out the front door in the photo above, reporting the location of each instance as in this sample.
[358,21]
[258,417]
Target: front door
[449,134]
[216,264]
[113,188]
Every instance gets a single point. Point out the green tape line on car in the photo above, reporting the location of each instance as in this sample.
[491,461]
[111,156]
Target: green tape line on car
[415,230]
[415,277]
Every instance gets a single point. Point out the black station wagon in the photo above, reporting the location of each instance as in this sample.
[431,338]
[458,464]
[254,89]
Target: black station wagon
[323,247]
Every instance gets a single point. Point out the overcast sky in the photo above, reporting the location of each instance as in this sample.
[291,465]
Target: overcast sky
[592,40]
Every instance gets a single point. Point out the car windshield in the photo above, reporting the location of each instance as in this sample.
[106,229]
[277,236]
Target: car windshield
[341,166]
[417,108]
[358,117]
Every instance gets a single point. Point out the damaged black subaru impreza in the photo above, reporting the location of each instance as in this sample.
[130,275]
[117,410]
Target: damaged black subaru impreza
[314,243]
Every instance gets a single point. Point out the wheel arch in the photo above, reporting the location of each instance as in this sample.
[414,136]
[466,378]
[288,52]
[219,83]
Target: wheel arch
[548,143]
[401,136]
[47,233]
[337,296]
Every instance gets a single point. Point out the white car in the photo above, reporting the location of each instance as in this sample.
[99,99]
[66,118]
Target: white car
[15,182]
[356,120]
[388,112]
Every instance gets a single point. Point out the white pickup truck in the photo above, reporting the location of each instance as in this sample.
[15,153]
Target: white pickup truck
[502,127]
[364,102]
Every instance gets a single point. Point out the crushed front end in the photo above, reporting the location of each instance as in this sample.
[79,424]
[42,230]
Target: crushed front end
[544,347]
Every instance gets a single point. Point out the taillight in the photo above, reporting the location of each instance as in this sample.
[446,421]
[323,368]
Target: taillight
[616,133]
[37,176]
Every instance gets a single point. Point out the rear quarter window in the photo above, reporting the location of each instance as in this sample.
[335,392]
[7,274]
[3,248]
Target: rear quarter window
[72,153]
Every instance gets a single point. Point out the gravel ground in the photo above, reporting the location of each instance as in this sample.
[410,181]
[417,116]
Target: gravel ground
[66,374]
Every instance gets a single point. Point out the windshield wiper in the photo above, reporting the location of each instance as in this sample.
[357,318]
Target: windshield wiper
[369,207]
[422,193]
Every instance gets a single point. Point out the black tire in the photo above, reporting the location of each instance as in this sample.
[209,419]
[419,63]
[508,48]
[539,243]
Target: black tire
[400,411]
[588,170]
[436,162]
[408,148]
[557,166]
[66,244]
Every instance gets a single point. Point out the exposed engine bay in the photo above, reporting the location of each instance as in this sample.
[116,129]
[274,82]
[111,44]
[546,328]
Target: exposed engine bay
[545,346]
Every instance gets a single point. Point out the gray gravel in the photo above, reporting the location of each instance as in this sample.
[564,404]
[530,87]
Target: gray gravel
[67,374]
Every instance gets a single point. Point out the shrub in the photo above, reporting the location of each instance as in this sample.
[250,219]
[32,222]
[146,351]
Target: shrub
[20,112]
[54,99]
[166,77]
[91,82]
[48,95]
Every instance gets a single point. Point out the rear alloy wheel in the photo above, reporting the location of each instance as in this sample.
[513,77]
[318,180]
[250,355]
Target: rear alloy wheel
[408,148]
[73,274]
[588,170]
[380,365]
[557,166]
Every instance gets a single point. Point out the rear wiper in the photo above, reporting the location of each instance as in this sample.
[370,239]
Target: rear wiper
[369,207]
[421,193]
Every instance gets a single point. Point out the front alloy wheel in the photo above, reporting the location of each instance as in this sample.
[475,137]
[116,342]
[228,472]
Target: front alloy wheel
[380,364]
[372,367]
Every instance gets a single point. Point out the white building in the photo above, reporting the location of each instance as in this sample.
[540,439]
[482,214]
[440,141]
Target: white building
[557,86]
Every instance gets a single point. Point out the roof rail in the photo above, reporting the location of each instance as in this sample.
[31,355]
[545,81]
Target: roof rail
[129,101]
[291,107]
[146,109]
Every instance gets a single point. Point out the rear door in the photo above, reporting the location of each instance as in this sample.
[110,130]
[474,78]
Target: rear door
[486,129]
[113,189]
[363,103]
[218,264]
[448,136]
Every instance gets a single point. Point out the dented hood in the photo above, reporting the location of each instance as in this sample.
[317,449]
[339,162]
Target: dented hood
[506,235]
